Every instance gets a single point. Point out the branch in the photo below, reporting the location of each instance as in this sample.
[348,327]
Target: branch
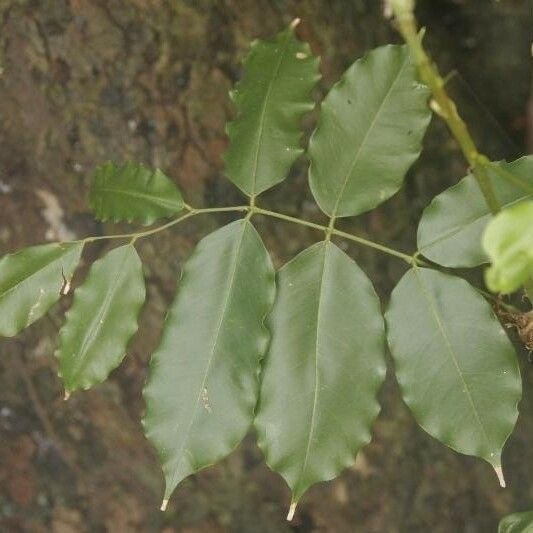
[445,107]
[441,103]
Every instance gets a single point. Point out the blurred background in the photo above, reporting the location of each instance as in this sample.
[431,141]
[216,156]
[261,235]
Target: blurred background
[85,81]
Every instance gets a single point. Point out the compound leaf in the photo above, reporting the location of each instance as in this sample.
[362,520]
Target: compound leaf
[517,523]
[452,225]
[31,281]
[204,376]
[323,369]
[369,133]
[457,369]
[102,319]
[271,100]
[133,193]
[508,241]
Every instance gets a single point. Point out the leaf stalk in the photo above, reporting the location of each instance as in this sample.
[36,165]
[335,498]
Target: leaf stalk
[252,210]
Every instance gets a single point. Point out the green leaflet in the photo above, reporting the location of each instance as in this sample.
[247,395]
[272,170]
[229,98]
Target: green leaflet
[517,523]
[102,319]
[508,241]
[323,369]
[271,100]
[204,376]
[369,133]
[455,365]
[452,225]
[31,281]
[132,193]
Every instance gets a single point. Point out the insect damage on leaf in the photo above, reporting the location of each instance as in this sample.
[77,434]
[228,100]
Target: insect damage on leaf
[35,306]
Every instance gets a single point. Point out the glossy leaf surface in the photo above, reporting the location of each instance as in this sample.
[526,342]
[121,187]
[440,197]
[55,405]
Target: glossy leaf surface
[132,193]
[508,241]
[323,369]
[517,523]
[452,225]
[204,376]
[31,281]
[369,133]
[271,99]
[102,319]
[456,367]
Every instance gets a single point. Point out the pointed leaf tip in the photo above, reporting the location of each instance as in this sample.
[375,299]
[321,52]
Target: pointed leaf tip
[292,510]
[133,193]
[295,22]
[501,478]
[271,100]
[210,385]
[326,328]
[434,351]
[102,319]
[164,505]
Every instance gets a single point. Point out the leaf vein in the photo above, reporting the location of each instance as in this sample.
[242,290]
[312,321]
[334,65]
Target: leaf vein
[449,348]
[262,117]
[317,373]
[218,329]
[367,134]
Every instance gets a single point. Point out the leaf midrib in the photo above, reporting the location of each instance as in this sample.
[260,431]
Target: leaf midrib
[218,329]
[96,325]
[365,138]
[136,194]
[262,116]
[450,350]
[467,223]
[317,373]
